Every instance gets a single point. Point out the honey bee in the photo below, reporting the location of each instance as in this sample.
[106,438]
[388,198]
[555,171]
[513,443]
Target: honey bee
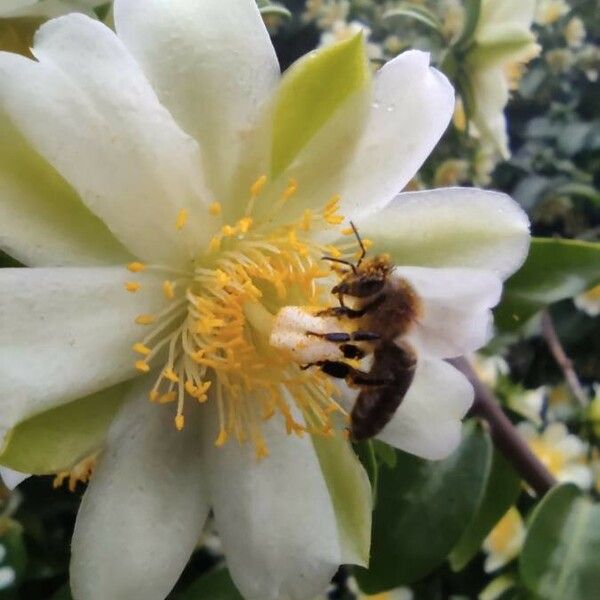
[385,308]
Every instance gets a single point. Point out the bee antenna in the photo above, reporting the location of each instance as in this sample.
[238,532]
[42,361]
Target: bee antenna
[339,260]
[363,250]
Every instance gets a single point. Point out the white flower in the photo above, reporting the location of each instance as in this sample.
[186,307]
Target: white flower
[175,148]
[550,11]
[504,541]
[529,403]
[589,301]
[489,368]
[563,453]
[47,8]
[503,43]
[575,32]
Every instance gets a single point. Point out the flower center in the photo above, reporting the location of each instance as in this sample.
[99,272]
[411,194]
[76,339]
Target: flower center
[211,341]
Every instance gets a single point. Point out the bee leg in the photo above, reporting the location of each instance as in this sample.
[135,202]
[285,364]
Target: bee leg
[341,336]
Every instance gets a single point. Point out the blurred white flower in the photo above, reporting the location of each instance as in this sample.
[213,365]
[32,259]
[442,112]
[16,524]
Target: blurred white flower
[575,32]
[341,30]
[529,403]
[505,541]
[489,368]
[563,453]
[550,11]
[589,301]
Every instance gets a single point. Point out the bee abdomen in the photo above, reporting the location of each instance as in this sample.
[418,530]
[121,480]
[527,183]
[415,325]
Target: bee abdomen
[375,406]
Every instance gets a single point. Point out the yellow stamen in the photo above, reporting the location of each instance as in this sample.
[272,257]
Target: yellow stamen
[141,349]
[168,289]
[142,366]
[179,422]
[257,187]
[136,267]
[215,209]
[291,189]
[182,218]
[145,319]
[153,395]
[169,374]
[221,439]
[132,286]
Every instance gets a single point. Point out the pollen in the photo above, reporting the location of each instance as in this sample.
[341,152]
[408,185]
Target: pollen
[215,209]
[182,218]
[136,267]
[210,343]
[257,187]
[132,286]
[168,289]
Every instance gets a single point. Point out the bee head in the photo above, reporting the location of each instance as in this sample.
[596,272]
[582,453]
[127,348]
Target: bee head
[367,279]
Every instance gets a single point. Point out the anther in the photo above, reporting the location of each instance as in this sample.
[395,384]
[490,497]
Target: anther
[142,366]
[221,439]
[215,209]
[182,218]
[141,349]
[257,187]
[291,189]
[179,422]
[132,286]
[168,289]
[136,267]
[169,374]
[145,319]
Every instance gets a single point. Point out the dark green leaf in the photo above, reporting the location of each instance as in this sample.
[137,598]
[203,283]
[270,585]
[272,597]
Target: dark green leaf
[502,490]
[418,13]
[560,558]
[214,586]
[385,454]
[423,507]
[472,11]
[555,269]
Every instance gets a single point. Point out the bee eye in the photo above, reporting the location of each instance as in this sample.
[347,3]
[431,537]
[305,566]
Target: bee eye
[371,286]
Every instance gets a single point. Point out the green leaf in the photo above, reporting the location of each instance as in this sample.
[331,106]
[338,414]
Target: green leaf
[214,586]
[423,507]
[418,13]
[502,489]
[559,560]
[554,270]
[311,91]
[58,439]
[350,494]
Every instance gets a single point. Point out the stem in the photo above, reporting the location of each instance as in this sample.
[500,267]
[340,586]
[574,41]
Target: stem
[560,356]
[505,436]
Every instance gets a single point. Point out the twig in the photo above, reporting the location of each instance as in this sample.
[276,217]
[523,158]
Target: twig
[505,436]
[560,356]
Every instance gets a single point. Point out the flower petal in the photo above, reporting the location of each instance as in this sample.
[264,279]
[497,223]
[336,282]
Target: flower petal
[456,318]
[412,106]
[65,333]
[428,422]
[275,516]
[88,109]
[144,509]
[12,479]
[57,439]
[42,221]
[212,64]
[453,227]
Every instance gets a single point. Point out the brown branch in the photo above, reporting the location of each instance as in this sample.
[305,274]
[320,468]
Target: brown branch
[560,356]
[504,434]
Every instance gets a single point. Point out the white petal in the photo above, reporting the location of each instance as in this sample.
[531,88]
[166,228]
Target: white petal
[412,106]
[42,220]
[144,510]
[212,64]
[454,227]
[428,422]
[66,333]
[490,89]
[580,475]
[88,109]
[12,479]
[275,517]
[455,304]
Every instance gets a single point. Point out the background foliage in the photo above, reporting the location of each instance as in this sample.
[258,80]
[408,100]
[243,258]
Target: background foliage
[432,520]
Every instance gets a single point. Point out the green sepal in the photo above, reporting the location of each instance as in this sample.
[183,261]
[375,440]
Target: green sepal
[57,439]
[310,93]
[350,494]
